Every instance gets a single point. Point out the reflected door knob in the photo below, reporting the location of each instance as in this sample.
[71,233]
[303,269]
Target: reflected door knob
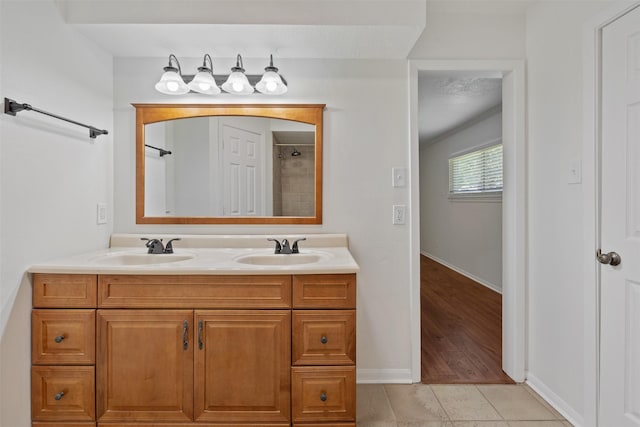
[612,258]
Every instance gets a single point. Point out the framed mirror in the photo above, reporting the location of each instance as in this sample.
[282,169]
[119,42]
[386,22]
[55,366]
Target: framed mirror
[229,163]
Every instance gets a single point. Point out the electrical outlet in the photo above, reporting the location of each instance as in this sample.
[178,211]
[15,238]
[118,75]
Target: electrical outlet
[399,214]
[101,213]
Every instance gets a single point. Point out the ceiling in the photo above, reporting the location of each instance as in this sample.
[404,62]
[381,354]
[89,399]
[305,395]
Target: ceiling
[254,28]
[449,99]
[339,29]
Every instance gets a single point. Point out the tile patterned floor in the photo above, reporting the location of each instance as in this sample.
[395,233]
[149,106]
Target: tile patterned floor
[420,405]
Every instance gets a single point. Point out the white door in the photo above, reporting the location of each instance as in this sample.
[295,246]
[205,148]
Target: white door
[620,224]
[243,180]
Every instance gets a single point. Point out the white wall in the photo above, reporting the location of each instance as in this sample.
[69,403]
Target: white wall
[465,234]
[365,135]
[555,218]
[472,30]
[51,173]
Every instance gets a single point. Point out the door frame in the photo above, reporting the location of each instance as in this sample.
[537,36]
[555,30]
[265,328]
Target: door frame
[513,209]
[591,168]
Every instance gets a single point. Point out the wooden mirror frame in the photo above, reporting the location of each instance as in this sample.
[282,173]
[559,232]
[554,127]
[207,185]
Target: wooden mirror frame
[152,113]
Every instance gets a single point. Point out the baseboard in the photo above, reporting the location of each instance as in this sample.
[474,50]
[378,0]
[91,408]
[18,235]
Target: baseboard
[483,282]
[554,400]
[383,376]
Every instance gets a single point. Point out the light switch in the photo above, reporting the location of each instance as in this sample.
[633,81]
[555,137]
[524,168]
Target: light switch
[399,178]
[101,213]
[575,171]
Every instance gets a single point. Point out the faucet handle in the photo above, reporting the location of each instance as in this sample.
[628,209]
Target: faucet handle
[278,245]
[294,248]
[168,249]
[155,245]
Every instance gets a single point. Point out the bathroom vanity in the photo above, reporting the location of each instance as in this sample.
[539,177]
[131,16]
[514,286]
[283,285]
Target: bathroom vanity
[229,335]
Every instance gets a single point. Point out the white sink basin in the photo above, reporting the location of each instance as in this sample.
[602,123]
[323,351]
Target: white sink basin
[140,259]
[280,259]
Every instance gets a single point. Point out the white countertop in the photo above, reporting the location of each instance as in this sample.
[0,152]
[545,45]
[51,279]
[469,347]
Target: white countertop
[210,254]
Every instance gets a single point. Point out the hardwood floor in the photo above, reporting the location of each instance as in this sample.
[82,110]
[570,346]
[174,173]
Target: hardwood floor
[461,323]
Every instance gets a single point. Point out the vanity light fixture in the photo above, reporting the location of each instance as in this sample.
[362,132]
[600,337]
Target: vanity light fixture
[171,82]
[271,82]
[237,82]
[203,81]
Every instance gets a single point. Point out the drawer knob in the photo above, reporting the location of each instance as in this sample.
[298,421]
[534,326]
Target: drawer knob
[59,339]
[323,339]
[323,396]
[59,395]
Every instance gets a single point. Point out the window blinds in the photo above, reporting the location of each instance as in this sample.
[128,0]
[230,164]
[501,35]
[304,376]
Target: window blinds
[476,172]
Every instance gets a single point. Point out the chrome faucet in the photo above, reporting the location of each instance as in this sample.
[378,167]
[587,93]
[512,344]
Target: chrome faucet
[284,248]
[155,246]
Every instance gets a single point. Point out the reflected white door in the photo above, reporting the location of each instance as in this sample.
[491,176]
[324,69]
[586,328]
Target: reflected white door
[620,224]
[243,180]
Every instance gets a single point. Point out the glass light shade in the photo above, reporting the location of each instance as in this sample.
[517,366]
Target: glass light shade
[171,83]
[237,83]
[271,84]
[203,82]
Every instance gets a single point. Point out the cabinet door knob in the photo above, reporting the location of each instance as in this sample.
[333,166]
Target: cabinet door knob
[59,395]
[59,339]
[323,396]
[323,339]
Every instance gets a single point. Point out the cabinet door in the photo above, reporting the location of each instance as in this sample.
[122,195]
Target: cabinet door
[144,365]
[242,366]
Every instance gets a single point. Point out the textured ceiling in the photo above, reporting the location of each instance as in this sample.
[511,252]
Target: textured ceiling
[449,99]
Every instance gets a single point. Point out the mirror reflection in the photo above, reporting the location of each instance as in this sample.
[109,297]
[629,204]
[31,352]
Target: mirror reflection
[229,166]
[229,163]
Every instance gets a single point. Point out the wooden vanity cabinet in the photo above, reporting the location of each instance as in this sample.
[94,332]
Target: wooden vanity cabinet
[323,374]
[190,350]
[63,350]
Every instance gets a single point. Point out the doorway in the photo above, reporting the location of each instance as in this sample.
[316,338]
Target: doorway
[461,176]
[513,210]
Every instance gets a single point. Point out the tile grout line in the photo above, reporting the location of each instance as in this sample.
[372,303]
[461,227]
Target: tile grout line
[441,405]
[386,396]
[489,401]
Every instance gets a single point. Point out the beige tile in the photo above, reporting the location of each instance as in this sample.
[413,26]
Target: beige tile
[464,402]
[372,406]
[513,402]
[430,423]
[553,423]
[414,402]
[390,423]
[567,424]
[480,424]
[544,403]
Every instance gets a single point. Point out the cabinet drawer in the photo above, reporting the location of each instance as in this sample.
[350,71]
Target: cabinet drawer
[63,337]
[325,393]
[64,290]
[63,393]
[324,291]
[324,337]
[66,424]
[179,291]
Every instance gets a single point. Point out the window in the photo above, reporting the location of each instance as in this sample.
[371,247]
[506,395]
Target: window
[478,172]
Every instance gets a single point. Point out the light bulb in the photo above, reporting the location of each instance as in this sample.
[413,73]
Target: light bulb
[271,86]
[237,86]
[204,86]
[172,86]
